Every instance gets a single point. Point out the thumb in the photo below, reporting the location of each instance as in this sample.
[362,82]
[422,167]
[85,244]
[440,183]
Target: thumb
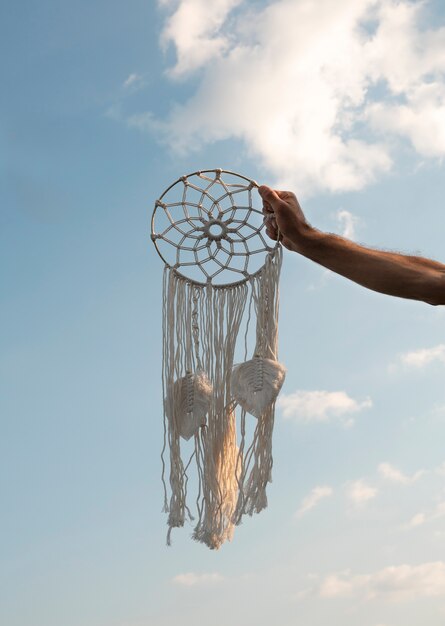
[270,196]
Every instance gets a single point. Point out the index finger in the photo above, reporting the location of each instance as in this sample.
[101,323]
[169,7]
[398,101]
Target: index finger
[267,208]
[284,195]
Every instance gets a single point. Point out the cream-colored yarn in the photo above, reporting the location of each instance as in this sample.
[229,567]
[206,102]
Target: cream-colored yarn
[207,399]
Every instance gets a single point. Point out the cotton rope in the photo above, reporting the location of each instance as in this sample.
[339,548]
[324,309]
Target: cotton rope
[207,223]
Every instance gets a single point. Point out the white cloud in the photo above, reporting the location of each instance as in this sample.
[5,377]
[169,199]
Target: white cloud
[311,500]
[190,579]
[396,583]
[359,492]
[425,356]
[132,81]
[394,475]
[416,74]
[423,518]
[194,30]
[347,222]
[417,520]
[321,406]
[422,120]
[316,90]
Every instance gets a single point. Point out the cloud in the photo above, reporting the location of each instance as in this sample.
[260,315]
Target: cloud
[421,120]
[317,91]
[423,518]
[394,475]
[347,222]
[359,492]
[143,121]
[310,501]
[417,520]
[190,579]
[195,32]
[132,81]
[394,583]
[321,406]
[418,359]
[416,75]
[425,356]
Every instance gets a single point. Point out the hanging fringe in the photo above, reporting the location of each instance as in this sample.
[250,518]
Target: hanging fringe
[256,385]
[201,390]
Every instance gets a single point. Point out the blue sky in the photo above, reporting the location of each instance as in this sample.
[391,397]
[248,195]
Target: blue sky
[103,105]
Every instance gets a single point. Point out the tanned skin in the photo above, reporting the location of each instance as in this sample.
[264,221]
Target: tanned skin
[404,276]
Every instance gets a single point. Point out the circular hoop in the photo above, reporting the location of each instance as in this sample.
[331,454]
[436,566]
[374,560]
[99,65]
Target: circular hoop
[206,228]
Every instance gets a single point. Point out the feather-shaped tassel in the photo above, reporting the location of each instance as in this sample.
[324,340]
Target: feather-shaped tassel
[191,401]
[256,384]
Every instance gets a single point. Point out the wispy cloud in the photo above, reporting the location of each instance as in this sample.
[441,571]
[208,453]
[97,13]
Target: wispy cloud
[347,223]
[394,583]
[196,33]
[313,89]
[423,518]
[394,475]
[424,356]
[190,579]
[417,520]
[133,81]
[116,111]
[359,492]
[321,406]
[418,359]
[313,498]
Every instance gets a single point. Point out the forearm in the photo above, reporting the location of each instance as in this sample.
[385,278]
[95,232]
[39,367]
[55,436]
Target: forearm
[394,274]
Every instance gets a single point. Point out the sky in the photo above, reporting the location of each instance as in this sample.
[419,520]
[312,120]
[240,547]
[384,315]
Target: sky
[103,105]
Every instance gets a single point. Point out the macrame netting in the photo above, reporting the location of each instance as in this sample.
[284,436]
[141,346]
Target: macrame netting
[218,415]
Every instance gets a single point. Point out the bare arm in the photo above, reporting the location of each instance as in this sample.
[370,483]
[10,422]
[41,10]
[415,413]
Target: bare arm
[411,277]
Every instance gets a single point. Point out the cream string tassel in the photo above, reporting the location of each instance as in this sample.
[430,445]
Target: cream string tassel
[191,312]
[201,324]
[255,385]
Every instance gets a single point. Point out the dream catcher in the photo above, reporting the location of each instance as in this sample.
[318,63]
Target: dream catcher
[220,276]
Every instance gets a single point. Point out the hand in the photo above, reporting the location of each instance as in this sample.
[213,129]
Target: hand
[283,215]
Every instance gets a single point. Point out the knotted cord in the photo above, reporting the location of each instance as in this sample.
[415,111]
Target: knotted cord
[206,222]
[210,235]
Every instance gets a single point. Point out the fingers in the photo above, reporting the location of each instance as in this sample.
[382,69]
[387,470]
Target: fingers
[273,201]
[270,201]
[285,195]
[271,226]
[272,233]
[270,198]
[267,208]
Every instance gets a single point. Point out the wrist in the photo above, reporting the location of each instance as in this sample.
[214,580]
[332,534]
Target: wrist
[306,240]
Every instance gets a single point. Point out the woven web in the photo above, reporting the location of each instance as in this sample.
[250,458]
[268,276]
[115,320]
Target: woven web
[208,227]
